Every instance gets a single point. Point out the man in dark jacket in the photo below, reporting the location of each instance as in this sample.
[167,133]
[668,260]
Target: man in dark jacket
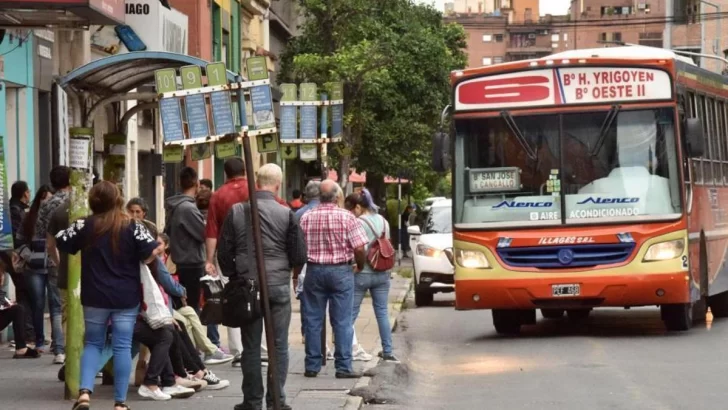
[185,227]
[284,249]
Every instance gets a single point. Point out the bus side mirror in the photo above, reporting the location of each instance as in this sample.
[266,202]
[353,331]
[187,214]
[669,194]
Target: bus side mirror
[441,152]
[694,137]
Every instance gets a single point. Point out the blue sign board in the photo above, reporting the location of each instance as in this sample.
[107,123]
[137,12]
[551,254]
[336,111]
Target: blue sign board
[262,102]
[222,113]
[197,116]
[337,120]
[324,116]
[289,122]
[171,120]
[309,131]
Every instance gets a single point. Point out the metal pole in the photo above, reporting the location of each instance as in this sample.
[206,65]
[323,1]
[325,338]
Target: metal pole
[259,261]
[399,219]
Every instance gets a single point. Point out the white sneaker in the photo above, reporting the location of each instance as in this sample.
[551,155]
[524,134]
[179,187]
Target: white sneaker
[59,359]
[329,354]
[218,357]
[213,383]
[157,395]
[178,392]
[191,383]
[360,355]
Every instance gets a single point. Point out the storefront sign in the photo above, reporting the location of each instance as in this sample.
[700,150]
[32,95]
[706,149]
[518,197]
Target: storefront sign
[96,11]
[6,227]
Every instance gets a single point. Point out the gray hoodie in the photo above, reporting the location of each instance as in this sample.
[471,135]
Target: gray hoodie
[186,229]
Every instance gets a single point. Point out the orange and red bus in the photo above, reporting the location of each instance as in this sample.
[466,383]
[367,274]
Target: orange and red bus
[590,178]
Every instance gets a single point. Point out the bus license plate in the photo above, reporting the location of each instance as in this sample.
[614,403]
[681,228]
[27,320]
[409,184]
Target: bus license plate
[566,290]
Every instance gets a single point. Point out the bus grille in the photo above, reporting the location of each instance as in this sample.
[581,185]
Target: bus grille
[570,256]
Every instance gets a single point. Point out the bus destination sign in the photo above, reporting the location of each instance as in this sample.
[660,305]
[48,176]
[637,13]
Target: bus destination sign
[495,179]
[563,86]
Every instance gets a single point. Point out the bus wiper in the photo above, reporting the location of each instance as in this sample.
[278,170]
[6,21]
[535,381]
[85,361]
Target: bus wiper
[508,118]
[606,125]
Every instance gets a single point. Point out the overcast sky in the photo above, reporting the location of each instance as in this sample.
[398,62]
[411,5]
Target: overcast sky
[546,6]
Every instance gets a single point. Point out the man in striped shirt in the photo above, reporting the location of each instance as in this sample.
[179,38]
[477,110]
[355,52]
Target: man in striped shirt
[335,240]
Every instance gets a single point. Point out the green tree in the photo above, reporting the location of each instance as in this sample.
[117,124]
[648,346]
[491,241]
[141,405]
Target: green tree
[395,59]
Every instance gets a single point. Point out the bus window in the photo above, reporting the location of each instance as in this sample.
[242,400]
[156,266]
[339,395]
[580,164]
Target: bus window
[712,174]
[722,132]
[637,172]
[699,175]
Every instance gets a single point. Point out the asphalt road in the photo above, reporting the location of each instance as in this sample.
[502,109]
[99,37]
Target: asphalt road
[618,359]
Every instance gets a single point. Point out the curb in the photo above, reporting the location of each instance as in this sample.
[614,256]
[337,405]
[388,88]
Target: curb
[355,402]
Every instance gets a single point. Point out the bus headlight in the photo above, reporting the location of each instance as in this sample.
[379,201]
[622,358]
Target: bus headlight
[665,250]
[471,259]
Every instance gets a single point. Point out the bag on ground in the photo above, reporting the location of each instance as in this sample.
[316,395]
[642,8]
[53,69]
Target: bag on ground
[154,310]
[241,303]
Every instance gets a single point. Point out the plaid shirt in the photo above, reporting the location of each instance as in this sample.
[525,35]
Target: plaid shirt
[332,234]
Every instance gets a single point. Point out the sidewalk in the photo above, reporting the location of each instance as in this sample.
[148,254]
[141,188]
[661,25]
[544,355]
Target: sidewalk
[32,384]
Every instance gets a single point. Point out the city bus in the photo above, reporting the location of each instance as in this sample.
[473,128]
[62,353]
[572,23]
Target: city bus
[586,179]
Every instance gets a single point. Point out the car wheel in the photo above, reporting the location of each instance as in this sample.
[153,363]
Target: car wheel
[507,322]
[423,297]
[678,317]
[552,313]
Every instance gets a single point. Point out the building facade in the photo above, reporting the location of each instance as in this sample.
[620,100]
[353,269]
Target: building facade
[18,97]
[509,30]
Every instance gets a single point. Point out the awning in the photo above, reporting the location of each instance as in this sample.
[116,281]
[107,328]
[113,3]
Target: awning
[122,73]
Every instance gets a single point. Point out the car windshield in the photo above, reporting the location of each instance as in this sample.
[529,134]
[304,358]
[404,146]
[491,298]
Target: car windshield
[439,220]
[607,165]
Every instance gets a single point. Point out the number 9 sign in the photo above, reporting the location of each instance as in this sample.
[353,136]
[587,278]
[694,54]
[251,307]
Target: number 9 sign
[191,77]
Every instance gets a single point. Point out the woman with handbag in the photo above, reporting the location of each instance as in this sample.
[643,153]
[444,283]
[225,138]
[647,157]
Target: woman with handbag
[32,250]
[113,246]
[370,279]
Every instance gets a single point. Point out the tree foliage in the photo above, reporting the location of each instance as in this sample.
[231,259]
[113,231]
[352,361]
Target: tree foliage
[395,58]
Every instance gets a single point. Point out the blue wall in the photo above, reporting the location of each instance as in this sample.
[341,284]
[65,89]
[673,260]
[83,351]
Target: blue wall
[16,50]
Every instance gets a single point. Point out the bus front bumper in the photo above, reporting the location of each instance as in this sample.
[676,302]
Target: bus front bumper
[594,291]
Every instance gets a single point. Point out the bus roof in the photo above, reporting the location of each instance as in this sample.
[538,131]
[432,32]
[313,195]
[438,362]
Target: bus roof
[626,52]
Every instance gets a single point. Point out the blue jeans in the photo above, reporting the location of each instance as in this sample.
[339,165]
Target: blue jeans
[213,334]
[332,284]
[41,285]
[122,331]
[377,283]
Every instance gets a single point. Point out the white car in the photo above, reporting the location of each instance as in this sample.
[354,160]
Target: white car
[432,253]
[432,200]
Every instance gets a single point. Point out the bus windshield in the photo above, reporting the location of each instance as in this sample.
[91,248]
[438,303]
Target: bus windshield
[588,167]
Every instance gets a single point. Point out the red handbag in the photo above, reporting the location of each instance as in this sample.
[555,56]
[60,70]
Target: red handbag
[381,251]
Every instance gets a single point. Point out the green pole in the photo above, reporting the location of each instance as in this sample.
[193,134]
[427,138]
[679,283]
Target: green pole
[80,155]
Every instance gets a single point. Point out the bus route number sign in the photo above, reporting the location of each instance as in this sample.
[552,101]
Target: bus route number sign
[495,179]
